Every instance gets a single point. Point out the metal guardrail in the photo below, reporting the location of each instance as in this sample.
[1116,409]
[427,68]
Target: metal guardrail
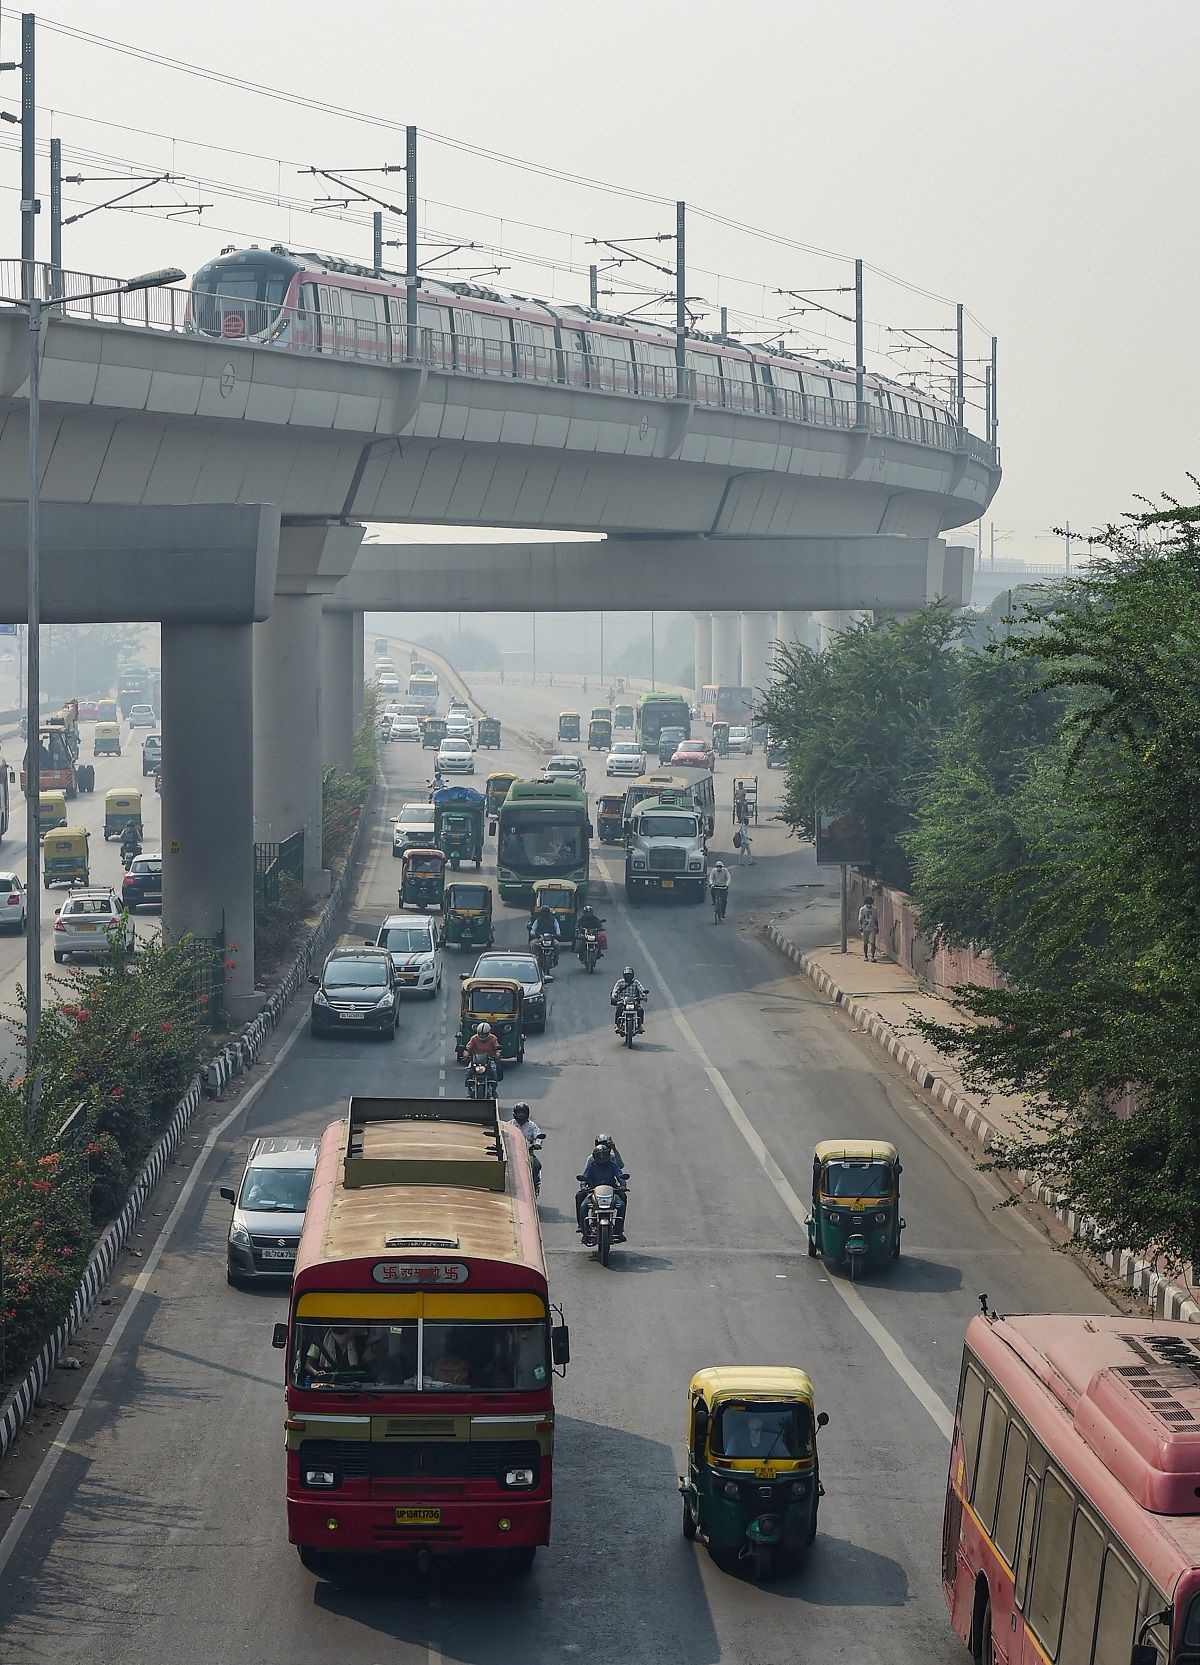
[239,323]
[271,861]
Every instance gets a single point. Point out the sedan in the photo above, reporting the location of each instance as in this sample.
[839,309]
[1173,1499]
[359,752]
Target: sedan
[406,728]
[741,740]
[565,767]
[455,757]
[523,969]
[91,922]
[693,754]
[626,759]
[12,903]
[142,885]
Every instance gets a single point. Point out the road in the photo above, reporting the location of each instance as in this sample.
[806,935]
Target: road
[85,810]
[161,1532]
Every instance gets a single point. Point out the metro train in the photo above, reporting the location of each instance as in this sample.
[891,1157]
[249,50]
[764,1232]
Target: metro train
[308,303]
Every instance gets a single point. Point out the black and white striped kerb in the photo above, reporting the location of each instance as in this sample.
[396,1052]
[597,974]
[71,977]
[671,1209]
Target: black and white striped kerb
[1166,1298]
[236,1056]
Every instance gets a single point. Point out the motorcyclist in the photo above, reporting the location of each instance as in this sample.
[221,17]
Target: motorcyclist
[607,1139]
[544,922]
[602,1169]
[483,1044]
[718,881]
[131,841]
[626,985]
[587,919]
[533,1134]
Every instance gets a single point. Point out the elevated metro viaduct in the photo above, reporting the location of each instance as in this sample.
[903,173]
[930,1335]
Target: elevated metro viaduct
[139,415]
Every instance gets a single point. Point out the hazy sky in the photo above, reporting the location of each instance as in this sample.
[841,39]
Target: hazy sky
[1033,158]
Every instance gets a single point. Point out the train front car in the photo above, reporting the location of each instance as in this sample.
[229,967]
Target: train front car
[248,295]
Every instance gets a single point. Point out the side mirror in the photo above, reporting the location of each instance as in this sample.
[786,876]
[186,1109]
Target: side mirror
[279,1336]
[463,975]
[822,1419]
[560,1344]
[315,981]
[369,942]
[229,1193]
[12,773]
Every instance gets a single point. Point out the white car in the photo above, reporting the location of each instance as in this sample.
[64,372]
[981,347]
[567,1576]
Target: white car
[13,912]
[740,741]
[626,759]
[412,829]
[405,728]
[414,941]
[142,716]
[455,757]
[89,922]
[565,767]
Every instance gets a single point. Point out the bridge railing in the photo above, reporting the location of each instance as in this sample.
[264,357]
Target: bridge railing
[233,323]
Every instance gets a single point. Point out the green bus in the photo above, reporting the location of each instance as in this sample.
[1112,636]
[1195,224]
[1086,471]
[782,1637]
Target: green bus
[658,711]
[543,833]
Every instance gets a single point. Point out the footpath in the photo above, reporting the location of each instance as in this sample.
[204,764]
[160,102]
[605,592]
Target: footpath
[885,1000]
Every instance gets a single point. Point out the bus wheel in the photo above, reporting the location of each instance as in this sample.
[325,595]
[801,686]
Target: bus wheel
[982,1646]
[315,1561]
[521,1560]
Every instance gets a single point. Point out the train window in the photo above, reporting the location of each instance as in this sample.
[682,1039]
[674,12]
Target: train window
[431,318]
[365,308]
[817,386]
[492,328]
[784,376]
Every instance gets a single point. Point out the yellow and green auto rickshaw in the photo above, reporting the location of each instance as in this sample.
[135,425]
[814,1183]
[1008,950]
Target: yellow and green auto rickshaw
[495,790]
[422,879]
[433,732]
[855,1216]
[106,740]
[52,811]
[561,896]
[497,1001]
[568,725]
[65,856]
[468,911]
[623,716]
[122,808]
[720,738]
[610,818]
[107,711]
[753,1482]
[488,734]
[458,824]
[600,734]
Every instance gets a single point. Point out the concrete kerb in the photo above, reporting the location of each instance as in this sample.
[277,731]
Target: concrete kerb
[235,1057]
[1164,1297]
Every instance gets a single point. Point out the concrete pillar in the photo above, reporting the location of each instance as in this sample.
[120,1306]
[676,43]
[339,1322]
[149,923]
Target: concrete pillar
[287,729]
[359,663]
[208,796]
[725,650]
[756,647]
[795,627]
[830,624]
[337,689]
[701,650]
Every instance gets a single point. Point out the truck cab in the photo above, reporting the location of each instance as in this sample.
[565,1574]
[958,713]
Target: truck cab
[665,849]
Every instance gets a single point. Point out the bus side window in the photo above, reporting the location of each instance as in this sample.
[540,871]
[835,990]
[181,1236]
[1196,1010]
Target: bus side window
[970,1415]
[1051,1555]
[1118,1613]
[1083,1587]
[991,1453]
[1028,1517]
[1012,1480]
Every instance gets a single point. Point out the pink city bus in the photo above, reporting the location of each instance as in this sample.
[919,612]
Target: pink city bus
[1072,1525]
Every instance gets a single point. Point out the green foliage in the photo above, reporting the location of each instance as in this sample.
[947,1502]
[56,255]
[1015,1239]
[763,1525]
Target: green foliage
[277,925]
[861,720]
[345,792]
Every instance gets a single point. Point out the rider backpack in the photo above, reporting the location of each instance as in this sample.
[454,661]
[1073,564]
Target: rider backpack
[737,839]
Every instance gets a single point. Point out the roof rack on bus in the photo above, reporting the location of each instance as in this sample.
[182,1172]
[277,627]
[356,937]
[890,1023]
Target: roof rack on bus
[424,1141]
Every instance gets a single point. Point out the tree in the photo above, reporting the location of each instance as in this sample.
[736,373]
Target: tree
[861,719]
[1095,1025]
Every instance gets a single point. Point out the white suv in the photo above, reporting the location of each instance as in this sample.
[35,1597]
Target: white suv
[455,757]
[90,922]
[414,941]
[412,829]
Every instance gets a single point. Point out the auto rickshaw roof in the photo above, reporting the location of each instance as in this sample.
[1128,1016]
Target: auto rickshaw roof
[411,854]
[855,1150]
[563,714]
[69,832]
[501,774]
[569,885]
[751,1381]
[123,794]
[614,801]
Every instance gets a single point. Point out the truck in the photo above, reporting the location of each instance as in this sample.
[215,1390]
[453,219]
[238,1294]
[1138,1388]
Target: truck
[60,769]
[665,847]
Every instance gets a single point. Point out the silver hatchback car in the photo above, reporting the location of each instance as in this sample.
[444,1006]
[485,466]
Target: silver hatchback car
[268,1209]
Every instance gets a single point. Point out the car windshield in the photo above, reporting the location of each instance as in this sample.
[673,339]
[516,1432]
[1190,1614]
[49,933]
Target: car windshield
[857,1179]
[455,746]
[762,1430]
[421,1356]
[406,939]
[563,765]
[276,1190]
[519,967]
[667,826]
[342,974]
[418,815]
[627,749]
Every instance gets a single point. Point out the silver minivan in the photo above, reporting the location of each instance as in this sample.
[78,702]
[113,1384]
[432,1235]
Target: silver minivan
[268,1209]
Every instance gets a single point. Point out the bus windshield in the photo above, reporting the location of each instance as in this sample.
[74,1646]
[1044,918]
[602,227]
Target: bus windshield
[549,840]
[421,1356]
[653,718]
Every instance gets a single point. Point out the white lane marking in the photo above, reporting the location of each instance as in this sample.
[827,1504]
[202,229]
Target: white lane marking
[105,1356]
[921,1390]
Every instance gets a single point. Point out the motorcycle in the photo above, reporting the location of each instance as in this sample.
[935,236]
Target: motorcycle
[546,949]
[129,849]
[627,1018]
[588,948]
[437,784]
[481,1079]
[601,1217]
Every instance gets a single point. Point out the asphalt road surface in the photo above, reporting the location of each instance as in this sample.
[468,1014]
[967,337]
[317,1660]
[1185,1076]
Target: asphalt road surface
[160,1534]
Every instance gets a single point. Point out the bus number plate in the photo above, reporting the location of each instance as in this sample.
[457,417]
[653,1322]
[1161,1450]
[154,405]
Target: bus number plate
[418,1517]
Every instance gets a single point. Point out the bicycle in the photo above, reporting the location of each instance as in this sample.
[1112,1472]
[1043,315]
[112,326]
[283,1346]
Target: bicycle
[720,901]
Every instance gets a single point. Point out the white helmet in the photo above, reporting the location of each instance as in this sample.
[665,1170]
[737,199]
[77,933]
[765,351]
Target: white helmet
[483,1030]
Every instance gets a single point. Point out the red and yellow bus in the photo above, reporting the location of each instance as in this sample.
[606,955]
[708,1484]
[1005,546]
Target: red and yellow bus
[1072,1525]
[420,1342]
[721,704]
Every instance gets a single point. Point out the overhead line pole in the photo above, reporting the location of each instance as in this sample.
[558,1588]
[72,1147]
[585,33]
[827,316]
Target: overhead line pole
[410,235]
[377,241]
[680,299]
[860,414]
[29,202]
[56,217]
[960,396]
[594,288]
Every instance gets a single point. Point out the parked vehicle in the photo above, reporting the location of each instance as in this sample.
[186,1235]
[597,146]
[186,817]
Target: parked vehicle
[855,1218]
[268,1209]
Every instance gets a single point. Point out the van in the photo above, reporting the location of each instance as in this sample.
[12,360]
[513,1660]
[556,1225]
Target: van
[268,1209]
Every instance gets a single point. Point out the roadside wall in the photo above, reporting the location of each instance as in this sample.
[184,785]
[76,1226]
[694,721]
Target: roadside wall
[944,969]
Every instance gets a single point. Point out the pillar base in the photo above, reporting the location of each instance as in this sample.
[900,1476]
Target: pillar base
[241,1009]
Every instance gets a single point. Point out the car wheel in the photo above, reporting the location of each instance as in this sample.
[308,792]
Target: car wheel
[58,957]
[389,1033]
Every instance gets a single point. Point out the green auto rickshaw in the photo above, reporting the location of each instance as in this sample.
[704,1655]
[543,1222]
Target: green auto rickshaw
[458,824]
[433,732]
[497,1001]
[561,896]
[610,818]
[600,734]
[488,738]
[468,911]
[52,810]
[106,740]
[753,1482]
[495,790]
[568,725]
[855,1216]
[720,738]
[65,856]
[422,879]
[122,808]
[623,716]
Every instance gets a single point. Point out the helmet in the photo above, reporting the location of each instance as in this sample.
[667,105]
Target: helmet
[627,974]
[483,1030]
[601,1153]
[520,1111]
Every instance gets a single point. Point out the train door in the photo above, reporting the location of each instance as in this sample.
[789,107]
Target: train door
[468,353]
[573,356]
[738,382]
[434,346]
[306,331]
[495,344]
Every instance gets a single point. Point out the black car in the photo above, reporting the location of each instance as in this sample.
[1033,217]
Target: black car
[142,885]
[358,989]
[667,742]
[522,966]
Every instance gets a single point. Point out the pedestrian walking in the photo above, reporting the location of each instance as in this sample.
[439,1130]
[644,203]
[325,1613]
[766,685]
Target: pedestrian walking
[868,925]
[741,843]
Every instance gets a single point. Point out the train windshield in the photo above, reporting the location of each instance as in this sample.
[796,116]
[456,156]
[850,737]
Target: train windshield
[241,294]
